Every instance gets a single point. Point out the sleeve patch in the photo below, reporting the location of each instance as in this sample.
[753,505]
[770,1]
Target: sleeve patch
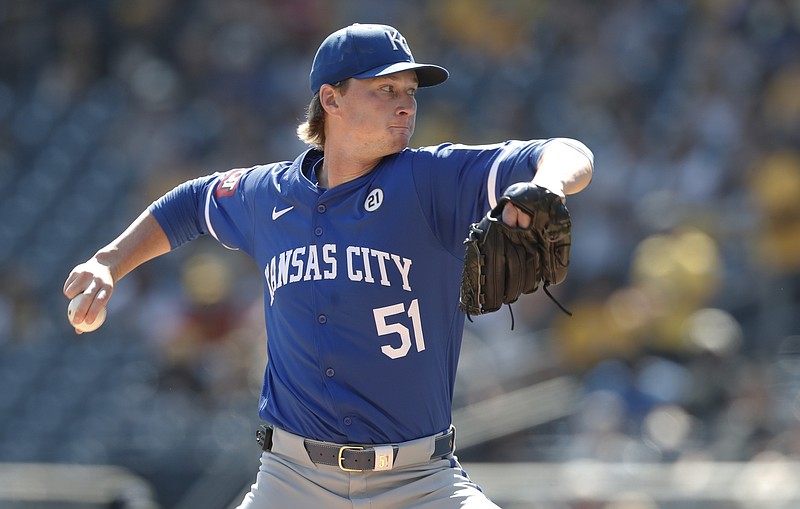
[228,183]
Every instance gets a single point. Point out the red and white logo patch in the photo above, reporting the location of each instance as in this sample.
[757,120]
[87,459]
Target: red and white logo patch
[228,182]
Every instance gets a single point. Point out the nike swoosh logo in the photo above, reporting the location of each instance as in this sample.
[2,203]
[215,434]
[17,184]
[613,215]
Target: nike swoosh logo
[278,213]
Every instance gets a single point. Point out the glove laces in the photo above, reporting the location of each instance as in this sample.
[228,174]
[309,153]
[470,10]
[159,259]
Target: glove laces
[560,306]
[546,291]
[544,287]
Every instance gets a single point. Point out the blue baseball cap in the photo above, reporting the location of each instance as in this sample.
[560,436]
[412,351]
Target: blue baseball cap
[367,51]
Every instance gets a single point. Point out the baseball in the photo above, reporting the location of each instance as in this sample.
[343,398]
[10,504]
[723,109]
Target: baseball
[83,326]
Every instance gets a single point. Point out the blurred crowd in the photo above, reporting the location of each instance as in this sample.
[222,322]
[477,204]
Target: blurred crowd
[685,266]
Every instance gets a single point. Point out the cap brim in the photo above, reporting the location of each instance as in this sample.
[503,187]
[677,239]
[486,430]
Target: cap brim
[427,74]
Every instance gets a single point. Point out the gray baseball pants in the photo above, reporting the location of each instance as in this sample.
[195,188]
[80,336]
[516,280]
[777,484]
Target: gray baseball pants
[288,479]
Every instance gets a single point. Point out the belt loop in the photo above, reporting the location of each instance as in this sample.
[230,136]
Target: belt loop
[264,437]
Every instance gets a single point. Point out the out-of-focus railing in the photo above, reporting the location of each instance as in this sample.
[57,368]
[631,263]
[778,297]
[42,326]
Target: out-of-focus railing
[764,484]
[42,485]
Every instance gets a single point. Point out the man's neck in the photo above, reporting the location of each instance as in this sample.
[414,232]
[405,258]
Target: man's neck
[336,170]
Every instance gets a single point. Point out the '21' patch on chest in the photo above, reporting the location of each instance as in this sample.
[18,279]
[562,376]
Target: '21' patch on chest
[374,200]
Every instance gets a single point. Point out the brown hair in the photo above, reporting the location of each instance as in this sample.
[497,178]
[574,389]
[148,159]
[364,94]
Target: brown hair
[312,131]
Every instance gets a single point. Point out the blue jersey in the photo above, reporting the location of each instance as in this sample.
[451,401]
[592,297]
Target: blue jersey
[361,281]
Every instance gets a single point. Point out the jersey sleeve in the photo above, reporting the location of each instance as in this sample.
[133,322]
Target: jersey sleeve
[215,205]
[458,184]
[227,211]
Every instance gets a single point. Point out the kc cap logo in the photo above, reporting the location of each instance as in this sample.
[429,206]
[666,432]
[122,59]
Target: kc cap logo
[368,51]
[398,41]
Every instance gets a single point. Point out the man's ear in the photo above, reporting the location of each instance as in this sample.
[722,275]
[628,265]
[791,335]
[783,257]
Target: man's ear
[328,99]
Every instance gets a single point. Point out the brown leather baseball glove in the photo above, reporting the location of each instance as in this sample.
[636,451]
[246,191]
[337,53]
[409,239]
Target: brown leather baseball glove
[501,263]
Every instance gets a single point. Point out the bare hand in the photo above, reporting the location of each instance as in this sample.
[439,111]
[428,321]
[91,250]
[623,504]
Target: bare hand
[90,278]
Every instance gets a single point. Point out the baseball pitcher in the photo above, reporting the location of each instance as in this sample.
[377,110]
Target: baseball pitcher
[362,242]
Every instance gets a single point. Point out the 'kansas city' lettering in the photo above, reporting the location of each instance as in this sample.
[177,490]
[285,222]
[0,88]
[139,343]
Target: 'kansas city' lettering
[315,263]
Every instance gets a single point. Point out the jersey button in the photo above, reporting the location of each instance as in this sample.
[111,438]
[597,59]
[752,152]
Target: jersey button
[347,421]
[318,231]
[322,319]
[321,208]
[330,372]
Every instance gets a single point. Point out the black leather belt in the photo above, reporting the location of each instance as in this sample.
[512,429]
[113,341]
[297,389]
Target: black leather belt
[360,458]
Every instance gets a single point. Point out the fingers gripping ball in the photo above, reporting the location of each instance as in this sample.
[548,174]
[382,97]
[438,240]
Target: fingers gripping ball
[83,326]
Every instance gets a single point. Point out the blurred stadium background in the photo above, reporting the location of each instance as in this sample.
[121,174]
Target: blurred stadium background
[675,385]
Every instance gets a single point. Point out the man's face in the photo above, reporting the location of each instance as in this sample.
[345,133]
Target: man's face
[379,113]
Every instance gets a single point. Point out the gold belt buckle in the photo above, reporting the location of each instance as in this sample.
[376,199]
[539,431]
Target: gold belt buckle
[345,448]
